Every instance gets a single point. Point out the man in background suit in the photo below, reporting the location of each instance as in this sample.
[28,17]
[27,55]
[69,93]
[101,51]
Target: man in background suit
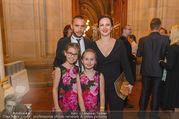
[78,26]
[126,31]
[152,49]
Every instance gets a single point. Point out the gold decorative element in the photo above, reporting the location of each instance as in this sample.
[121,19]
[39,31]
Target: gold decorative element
[5,84]
[119,84]
[4,80]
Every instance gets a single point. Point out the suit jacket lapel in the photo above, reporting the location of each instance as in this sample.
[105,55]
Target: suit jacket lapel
[85,41]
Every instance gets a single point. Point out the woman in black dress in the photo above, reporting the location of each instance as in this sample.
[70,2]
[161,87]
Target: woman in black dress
[171,97]
[111,56]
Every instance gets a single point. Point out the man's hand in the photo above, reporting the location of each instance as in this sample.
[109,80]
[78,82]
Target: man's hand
[53,74]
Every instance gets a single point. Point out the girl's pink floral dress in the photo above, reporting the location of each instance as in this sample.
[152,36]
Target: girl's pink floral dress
[67,90]
[90,89]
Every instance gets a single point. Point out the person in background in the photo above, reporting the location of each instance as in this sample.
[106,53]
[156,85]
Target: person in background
[126,32]
[95,35]
[132,40]
[171,96]
[169,34]
[67,31]
[152,49]
[163,31]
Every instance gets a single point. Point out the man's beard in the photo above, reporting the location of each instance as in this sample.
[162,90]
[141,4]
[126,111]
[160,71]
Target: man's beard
[76,35]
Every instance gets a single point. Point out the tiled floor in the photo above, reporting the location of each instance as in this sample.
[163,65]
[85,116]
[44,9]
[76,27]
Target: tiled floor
[41,100]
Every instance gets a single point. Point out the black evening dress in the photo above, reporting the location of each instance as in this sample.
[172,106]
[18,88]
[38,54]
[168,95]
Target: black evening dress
[110,67]
[171,97]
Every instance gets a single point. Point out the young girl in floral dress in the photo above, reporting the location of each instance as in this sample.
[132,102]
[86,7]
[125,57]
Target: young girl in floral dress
[64,84]
[90,84]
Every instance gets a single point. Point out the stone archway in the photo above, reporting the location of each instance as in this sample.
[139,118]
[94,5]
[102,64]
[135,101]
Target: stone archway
[93,9]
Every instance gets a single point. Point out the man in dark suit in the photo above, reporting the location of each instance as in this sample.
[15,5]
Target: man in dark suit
[126,31]
[78,27]
[152,49]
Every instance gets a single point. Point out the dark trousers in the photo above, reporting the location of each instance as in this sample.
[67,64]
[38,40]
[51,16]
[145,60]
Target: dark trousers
[115,104]
[133,68]
[150,85]
[162,95]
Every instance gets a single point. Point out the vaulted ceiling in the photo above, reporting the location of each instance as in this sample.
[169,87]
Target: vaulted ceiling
[93,9]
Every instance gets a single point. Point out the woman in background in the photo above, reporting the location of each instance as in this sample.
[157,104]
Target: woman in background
[95,35]
[132,40]
[171,100]
[67,31]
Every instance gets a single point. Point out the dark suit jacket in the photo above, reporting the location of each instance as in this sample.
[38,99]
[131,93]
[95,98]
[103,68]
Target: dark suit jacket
[152,48]
[60,57]
[130,56]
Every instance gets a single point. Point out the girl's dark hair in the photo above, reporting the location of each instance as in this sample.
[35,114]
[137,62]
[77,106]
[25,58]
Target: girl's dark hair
[105,16]
[73,45]
[133,37]
[89,50]
[65,30]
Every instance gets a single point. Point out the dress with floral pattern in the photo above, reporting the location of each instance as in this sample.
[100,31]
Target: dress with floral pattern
[90,90]
[67,89]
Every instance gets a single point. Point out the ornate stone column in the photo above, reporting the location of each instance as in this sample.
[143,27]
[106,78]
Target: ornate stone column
[49,27]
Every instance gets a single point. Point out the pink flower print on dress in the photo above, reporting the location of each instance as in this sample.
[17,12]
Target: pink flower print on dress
[74,88]
[96,78]
[70,100]
[84,79]
[91,79]
[94,89]
[73,101]
[66,79]
[61,92]
[89,100]
[72,74]
[75,70]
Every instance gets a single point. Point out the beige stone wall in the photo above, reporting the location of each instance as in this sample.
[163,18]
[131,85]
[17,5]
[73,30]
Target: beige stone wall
[33,28]
[140,13]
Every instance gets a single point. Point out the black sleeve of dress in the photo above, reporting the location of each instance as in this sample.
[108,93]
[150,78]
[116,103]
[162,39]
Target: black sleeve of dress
[125,64]
[171,59]
[57,60]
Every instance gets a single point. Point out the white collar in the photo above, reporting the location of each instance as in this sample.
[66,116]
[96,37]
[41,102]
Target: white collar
[73,37]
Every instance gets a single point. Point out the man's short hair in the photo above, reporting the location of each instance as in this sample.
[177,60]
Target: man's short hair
[124,27]
[155,23]
[78,17]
